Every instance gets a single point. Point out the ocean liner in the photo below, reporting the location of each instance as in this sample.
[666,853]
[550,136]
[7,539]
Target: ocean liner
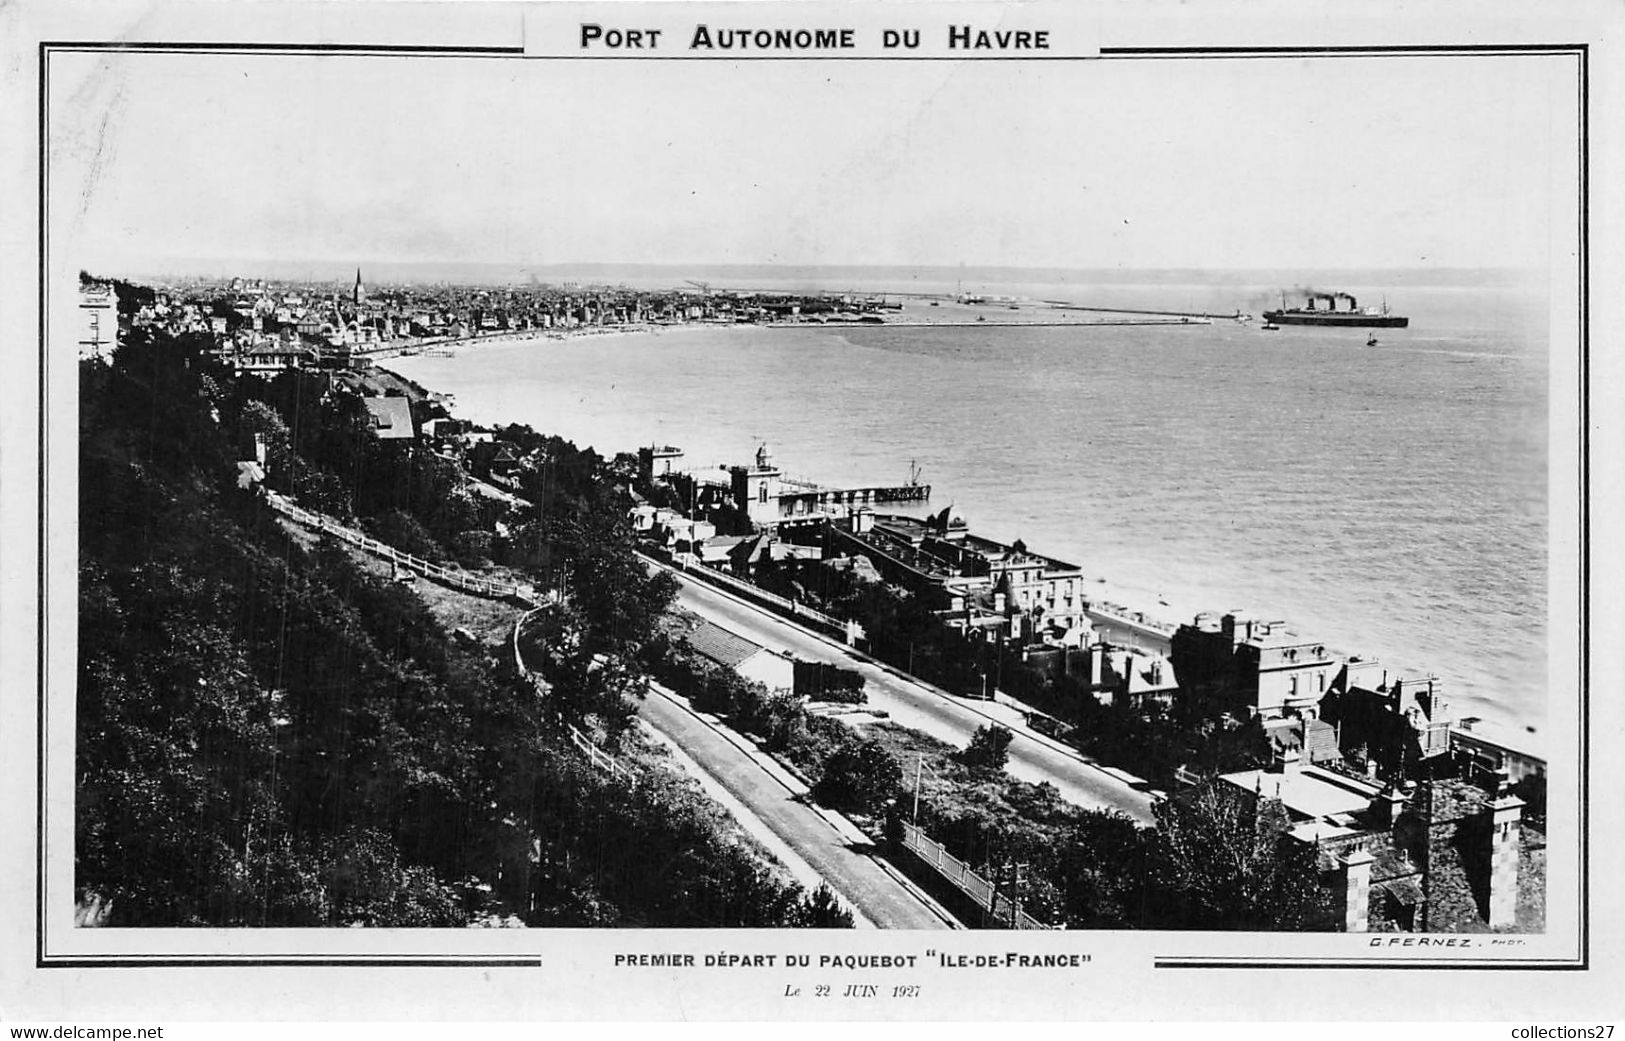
[1353,316]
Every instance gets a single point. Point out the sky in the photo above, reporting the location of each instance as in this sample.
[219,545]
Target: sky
[1279,163]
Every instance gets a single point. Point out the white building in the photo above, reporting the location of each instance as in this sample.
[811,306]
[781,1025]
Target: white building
[98,320]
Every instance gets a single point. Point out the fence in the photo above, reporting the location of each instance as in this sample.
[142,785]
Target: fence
[595,755]
[959,873]
[468,583]
[456,579]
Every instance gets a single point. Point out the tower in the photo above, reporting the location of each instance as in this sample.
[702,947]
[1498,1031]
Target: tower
[756,489]
[360,294]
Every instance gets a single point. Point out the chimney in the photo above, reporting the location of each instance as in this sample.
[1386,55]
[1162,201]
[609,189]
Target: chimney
[1287,762]
[1387,807]
[1356,872]
[1505,813]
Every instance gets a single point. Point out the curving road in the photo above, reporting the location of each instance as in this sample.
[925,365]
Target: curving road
[928,709]
[768,796]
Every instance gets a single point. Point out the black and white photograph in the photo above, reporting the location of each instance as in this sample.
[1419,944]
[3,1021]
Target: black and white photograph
[805,511]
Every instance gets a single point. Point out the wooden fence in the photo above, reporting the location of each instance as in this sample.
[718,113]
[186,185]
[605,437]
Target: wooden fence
[595,755]
[468,584]
[455,578]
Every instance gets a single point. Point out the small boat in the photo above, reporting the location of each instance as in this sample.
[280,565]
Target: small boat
[1371,341]
[1269,327]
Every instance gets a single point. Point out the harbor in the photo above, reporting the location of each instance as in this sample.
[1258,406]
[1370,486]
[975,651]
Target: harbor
[993,420]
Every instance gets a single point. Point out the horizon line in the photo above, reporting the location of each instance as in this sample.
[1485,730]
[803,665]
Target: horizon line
[245,267]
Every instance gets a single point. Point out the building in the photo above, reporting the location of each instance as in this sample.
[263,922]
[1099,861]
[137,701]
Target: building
[1124,675]
[270,357]
[970,576]
[1400,724]
[98,320]
[391,418]
[1446,855]
[1263,667]
[769,499]
[658,462]
[1479,744]
[756,489]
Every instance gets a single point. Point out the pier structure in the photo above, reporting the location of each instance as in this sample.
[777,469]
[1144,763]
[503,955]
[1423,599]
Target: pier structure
[765,495]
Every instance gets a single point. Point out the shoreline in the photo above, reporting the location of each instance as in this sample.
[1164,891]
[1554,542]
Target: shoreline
[1157,609]
[451,348]
[958,316]
[1122,585]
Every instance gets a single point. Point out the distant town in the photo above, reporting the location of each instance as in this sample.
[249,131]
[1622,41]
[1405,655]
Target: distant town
[880,654]
[266,326]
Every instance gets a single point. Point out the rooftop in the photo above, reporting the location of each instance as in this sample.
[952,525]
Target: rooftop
[710,640]
[1309,791]
[914,532]
[392,417]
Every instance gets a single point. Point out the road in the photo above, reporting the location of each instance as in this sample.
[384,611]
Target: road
[878,895]
[921,707]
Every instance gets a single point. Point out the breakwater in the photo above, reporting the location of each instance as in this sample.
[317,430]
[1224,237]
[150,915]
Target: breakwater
[1209,469]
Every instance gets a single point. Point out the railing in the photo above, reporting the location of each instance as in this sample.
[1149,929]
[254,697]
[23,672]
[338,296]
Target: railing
[457,579]
[595,755]
[973,885]
[1125,616]
[460,580]
[600,758]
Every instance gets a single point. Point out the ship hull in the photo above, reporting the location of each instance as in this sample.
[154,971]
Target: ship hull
[1335,318]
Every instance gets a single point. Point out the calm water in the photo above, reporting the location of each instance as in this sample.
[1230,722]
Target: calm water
[1389,500]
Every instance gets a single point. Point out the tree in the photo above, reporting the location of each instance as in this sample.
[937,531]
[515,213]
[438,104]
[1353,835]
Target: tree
[821,910]
[407,534]
[1221,860]
[1101,871]
[272,736]
[260,421]
[859,777]
[989,748]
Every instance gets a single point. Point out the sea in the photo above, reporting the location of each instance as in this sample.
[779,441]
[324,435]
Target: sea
[1389,500]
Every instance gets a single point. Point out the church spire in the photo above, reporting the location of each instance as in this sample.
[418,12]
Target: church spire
[360,294]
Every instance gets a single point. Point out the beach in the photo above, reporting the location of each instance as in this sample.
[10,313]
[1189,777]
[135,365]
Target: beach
[1388,501]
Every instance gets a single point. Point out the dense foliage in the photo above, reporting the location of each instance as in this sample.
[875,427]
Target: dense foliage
[989,748]
[1221,860]
[270,735]
[746,705]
